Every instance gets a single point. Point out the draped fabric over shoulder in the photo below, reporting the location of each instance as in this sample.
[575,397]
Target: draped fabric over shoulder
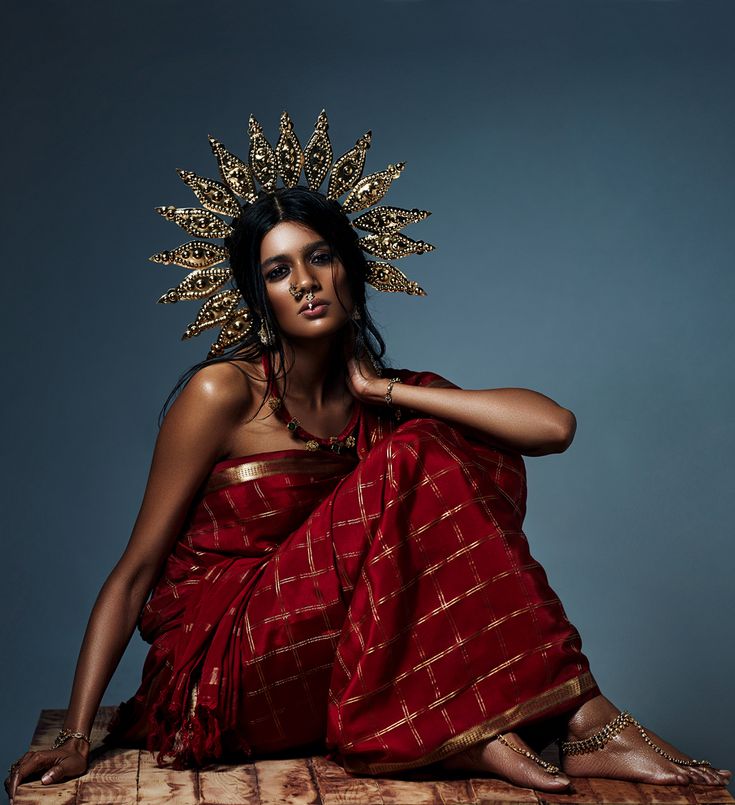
[384,603]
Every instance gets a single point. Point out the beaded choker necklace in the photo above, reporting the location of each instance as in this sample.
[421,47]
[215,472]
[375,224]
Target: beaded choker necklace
[344,441]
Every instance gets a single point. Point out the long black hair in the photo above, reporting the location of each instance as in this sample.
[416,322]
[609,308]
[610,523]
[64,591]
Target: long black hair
[324,216]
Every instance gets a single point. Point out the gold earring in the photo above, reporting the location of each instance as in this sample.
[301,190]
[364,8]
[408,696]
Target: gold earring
[265,335]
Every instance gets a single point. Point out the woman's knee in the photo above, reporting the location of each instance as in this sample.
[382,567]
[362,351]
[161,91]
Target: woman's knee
[425,429]
[429,447]
[419,446]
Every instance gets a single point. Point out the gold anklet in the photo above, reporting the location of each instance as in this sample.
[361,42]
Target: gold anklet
[599,739]
[547,767]
[664,754]
[615,727]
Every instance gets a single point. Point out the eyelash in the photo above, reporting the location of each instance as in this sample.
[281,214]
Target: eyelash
[272,277]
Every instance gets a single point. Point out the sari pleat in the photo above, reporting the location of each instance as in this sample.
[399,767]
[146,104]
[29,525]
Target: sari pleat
[384,604]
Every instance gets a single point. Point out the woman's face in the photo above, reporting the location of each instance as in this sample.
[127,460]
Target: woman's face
[292,254]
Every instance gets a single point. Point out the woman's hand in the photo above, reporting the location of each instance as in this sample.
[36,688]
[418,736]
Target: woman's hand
[363,381]
[64,763]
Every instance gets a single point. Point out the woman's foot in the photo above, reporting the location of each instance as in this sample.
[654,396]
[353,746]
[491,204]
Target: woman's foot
[627,756]
[498,758]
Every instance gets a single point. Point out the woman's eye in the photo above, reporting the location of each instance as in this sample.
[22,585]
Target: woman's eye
[322,257]
[276,273]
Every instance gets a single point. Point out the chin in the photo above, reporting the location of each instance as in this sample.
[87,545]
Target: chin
[329,329]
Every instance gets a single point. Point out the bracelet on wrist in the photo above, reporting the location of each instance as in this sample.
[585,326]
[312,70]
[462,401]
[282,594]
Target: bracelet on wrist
[65,735]
[389,393]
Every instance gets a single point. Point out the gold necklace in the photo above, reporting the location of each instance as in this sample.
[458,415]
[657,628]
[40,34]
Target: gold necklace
[344,441]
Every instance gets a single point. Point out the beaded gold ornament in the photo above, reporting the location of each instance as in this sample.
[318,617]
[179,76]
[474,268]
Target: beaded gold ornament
[550,768]
[224,307]
[613,728]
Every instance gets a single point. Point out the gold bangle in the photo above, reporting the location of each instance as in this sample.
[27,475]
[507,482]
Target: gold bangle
[389,394]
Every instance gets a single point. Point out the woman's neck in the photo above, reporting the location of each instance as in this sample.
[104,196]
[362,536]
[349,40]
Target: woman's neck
[315,369]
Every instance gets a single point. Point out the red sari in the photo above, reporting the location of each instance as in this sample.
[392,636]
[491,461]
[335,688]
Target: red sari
[385,603]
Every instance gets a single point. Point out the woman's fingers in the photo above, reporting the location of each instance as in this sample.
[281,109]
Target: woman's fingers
[355,377]
[362,378]
[56,773]
[55,765]
[21,769]
[17,772]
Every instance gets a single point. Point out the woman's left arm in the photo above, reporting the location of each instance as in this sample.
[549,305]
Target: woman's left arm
[515,419]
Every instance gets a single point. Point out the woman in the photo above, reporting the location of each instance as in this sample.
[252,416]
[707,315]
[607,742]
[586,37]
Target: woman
[337,555]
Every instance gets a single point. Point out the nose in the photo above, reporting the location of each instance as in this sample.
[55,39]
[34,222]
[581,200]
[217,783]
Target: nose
[304,276]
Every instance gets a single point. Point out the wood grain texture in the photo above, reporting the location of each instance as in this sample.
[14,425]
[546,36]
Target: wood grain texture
[487,790]
[36,792]
[456,792]
[336,787]
[615,791]
[659,794]
[286,782]
[131,776]
[398,792]
[228,785]
[158,786]
[111,780]
[709,795]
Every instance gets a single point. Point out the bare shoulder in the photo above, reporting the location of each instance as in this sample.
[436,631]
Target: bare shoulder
[222,388]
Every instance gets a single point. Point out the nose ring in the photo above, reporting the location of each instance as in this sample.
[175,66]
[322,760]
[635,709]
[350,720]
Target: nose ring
[297,293]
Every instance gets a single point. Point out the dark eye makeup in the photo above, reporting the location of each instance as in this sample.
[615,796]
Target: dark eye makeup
[275,273]
[320,258]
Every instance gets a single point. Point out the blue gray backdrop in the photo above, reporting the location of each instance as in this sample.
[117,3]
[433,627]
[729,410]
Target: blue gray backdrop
[578,157]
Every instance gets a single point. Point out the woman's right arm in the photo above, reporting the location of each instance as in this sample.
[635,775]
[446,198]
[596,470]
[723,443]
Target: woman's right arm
[194,434]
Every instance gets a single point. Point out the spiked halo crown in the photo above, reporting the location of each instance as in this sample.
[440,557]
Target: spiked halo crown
[208,277]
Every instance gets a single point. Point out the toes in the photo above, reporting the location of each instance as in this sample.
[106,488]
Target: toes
[715,777]
[498,760]
[541,781]
[561,780]
[675,776]
[548,783]
[696,775]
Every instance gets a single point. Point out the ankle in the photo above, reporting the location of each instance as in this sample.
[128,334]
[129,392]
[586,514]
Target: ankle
[512,742]
[591,717]
[599,739]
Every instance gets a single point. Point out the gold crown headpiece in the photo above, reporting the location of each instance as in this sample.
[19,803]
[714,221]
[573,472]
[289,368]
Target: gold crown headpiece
[265,165]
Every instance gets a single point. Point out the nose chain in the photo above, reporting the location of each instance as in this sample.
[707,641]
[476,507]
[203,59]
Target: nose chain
[297,293]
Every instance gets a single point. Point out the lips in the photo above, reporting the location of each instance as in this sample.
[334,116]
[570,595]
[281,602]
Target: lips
[314,304]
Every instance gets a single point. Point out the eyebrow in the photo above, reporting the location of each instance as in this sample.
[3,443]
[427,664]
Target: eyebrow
[278,258]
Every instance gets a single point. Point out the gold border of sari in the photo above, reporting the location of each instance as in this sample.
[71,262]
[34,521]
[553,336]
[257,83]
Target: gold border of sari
[312,463]
[512,717]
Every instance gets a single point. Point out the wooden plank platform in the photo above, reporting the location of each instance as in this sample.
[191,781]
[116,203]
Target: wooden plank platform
[129,776]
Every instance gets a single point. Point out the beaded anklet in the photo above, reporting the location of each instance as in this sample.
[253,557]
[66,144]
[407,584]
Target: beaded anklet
[550,768]
[615,727]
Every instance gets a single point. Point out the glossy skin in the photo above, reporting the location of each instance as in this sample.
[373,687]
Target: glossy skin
[292,255]
[217,416]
